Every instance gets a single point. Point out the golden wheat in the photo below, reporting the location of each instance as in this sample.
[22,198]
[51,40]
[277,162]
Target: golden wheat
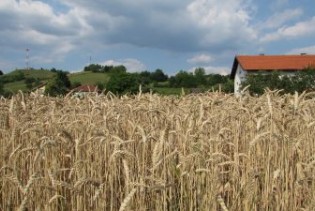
[148,152]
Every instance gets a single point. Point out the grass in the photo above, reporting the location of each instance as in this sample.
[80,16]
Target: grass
[168,90]
[89,78]
[153,152]
[14,87]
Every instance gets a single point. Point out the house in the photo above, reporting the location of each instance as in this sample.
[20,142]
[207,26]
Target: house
[286,64]
[83,90]
[39,90]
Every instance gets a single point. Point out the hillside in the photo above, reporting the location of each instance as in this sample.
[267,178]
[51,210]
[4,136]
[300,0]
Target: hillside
[16,80]
[89,78]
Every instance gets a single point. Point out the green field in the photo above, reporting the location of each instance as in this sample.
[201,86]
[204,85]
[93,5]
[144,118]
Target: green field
[89,78]
[168,90]
[15,86]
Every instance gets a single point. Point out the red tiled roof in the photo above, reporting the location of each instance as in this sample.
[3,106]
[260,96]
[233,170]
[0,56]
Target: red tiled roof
[273,62]
[86,88]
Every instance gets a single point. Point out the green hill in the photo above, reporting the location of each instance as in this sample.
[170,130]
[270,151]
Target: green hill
[15,80]
[89,78]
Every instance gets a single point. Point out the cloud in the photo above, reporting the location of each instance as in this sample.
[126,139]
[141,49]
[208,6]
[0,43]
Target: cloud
[300,29]
[222,70]
[280,18]
[132,65]
[307,50]
[200,59]
[179,25]
[36,25]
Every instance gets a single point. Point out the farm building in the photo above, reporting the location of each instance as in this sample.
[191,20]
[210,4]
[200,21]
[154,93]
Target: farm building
[286,64]
[83,90]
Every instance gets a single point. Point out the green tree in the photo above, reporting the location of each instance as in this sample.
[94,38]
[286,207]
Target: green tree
[183,79]
[59,85]
[200,75]
[298,82]
[119,69]
[1,73]
[121,83]
[32,82]
[159,76]
[94,68]
[214,79]
[1,88]
[145,77]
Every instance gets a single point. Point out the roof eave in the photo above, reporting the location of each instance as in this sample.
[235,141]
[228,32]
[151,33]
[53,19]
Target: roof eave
[234,68]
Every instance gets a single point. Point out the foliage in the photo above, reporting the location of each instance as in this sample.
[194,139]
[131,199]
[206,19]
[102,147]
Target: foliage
[298,82]
[1,88]
[214,79]
[97,68]
[200,76]
[31,82]
[16,76]
[159,76]
[101,86]
[183,79]
[75,84]
[121,82]
[1,73]
[59,85]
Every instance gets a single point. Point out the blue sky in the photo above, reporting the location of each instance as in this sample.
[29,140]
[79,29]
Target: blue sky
[148,34]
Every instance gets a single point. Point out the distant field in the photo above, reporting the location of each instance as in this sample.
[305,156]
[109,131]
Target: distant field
[153,152]
[15,86]
[41,74]
[89,78]
[167,90]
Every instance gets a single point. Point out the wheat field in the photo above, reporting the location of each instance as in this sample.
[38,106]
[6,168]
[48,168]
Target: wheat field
[148,152]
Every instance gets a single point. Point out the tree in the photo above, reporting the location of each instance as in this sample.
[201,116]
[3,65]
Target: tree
[214,79]
[159,76]
[1,88]
[121,83]
[183,79]
[1,73]
[118,69]
[145,77]
[200,75]
[30,82]
[299,82]
[59,85]
[94,68]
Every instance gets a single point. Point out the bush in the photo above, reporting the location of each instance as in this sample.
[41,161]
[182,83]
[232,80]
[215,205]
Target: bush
[299,82]
[121,83]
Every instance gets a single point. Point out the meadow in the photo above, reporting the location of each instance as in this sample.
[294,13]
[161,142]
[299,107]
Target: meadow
[206,151]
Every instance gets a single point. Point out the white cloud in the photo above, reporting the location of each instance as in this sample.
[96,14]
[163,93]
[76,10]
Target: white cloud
[132,65]
[35,25]
[280,18]
[300,29]
[200,59]
[214,70]
[307,50]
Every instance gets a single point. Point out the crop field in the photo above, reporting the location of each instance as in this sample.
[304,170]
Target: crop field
[149,152]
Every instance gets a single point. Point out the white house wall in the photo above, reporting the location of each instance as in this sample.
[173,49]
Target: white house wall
[240,76]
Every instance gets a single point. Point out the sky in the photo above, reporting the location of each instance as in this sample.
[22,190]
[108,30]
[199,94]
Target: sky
[172,35]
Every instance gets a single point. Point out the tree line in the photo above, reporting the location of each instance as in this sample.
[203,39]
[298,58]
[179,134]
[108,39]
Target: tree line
[300,81]
[122,82]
